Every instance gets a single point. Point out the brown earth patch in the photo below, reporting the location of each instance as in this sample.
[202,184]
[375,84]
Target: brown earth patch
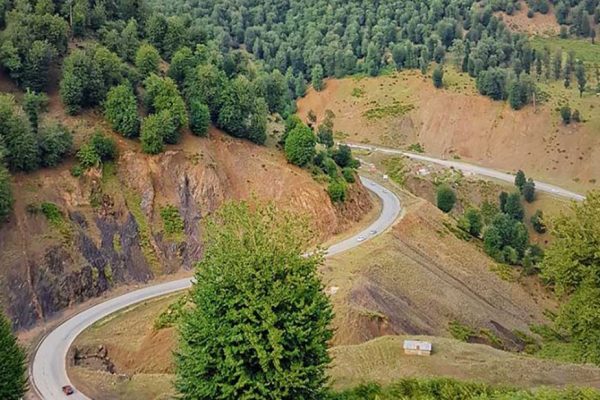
[455,122]
[420,277]
[111,231]
[540,24]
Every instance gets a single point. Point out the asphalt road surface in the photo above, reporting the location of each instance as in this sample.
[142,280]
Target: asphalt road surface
[474,169]
[48,371]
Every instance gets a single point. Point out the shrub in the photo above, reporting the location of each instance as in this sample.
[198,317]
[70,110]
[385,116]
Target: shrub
[349,175]
[565,114]
[438,77]
[199,118]
[446,198]
[337,191]
[173,314]
[52,213]
[330,167]
[105,147]
[460,331]
[537,221]
[325,135]
[172,220]
[343,156]
[120,110]
[55,143]
[300,145]
[472,222]
[576,117]
[87,156]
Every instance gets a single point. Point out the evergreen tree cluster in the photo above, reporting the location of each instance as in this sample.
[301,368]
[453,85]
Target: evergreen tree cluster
[308,42]
[505,236]
[25,146]
[319,154]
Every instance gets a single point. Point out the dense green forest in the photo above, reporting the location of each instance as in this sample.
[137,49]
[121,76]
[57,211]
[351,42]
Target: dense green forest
[156,70]
[235,62]
[310,40]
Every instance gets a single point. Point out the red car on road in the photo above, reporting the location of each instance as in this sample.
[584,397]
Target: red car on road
[68,390]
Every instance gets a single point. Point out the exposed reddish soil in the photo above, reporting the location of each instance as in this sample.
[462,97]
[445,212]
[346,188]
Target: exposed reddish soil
[457,122]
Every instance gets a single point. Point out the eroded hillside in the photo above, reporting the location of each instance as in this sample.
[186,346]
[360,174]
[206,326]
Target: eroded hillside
[404,109]
[71,239]
[419,278]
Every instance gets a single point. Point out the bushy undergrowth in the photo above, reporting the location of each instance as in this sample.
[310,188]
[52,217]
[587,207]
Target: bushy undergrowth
[450,389]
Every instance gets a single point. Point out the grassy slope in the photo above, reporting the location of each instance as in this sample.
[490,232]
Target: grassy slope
[458,122]
[584,50]
[393,269]
[380,360]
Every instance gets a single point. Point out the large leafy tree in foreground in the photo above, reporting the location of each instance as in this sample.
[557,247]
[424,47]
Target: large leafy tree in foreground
[13,378]
[572,265]
[259,326]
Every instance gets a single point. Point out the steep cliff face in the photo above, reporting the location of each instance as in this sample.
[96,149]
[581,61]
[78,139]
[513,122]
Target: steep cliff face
[71,239]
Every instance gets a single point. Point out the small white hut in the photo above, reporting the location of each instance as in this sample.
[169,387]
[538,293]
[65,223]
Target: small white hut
[417,348]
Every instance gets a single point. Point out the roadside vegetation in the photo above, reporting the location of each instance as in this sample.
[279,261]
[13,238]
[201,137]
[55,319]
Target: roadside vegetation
[572,267]
[327,161]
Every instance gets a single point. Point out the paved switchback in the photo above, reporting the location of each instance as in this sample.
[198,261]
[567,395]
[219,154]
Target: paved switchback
[48,372]
[473,169]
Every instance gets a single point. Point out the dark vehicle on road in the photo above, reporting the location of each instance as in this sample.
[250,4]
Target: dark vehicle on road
[68,390]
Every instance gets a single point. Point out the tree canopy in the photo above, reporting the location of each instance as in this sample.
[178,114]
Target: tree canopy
[13,364]
[572,266]
[259,324]
[300,145]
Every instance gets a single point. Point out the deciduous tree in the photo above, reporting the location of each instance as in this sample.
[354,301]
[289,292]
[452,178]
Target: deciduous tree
[300,145]
[446,198]
[120,110]
[147,60]
[260,324]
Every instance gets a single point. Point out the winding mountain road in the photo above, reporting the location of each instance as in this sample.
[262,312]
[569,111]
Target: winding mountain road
[473,169]
[48,371]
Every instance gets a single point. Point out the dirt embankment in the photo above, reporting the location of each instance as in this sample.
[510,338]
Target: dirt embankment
[109,229]
[421,277]
[539,24]
[404,109]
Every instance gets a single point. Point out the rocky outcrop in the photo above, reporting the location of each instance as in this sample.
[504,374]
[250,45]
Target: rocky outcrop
[109,229]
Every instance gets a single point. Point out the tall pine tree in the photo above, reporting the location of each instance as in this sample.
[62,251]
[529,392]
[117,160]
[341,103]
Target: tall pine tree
[13,368]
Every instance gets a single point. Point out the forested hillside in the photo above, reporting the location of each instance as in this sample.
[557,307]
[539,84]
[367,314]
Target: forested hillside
[157,69]
[310,40]
[89,88]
